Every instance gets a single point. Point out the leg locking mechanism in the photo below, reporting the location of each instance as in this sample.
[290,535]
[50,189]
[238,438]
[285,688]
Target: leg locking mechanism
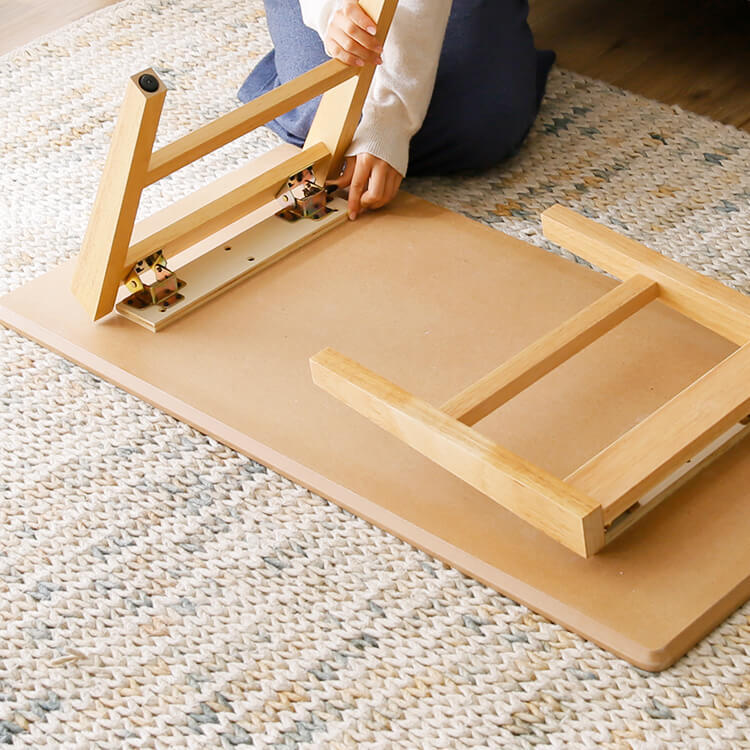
[303,198]
[163,291]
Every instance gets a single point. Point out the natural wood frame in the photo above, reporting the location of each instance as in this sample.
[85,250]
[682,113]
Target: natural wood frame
[114,242]
[580,510]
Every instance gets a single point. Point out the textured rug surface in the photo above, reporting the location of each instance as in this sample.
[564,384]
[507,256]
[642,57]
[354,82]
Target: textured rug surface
[159,590]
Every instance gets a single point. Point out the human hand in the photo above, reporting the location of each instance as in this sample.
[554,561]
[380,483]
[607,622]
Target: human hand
[351,36]
[372,183]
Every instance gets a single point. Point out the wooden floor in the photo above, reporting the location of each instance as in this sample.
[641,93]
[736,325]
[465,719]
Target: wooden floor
[695,53]
[24,20]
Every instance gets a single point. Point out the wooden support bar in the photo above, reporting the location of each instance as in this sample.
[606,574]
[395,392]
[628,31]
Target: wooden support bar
[562,512]
[97,275]
[646,454]
[222,210]
[246,118]
[705,300]
[675,481]
[481,398]
[341,107]
[199,198]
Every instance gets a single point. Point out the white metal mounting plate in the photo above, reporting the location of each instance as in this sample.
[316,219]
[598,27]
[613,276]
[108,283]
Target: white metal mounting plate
[233,261]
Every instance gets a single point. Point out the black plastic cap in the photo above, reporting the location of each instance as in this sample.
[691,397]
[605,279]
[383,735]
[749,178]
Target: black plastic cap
[148,83]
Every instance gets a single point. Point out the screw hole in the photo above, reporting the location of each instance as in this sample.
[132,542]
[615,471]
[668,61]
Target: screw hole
[251,260]
[227,248]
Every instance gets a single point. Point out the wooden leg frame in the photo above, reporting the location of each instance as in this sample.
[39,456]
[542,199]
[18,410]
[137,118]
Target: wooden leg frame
[616,487]
[115,249]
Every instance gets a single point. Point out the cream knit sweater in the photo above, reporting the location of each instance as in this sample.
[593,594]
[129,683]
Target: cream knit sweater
[402,86]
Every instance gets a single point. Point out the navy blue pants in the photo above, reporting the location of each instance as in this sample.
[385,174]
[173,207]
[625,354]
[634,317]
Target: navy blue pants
[490,82]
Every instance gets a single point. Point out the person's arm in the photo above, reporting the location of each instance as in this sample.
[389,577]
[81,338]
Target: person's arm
[401,88]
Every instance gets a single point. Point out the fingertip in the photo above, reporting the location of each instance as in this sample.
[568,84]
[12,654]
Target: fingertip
[363,20]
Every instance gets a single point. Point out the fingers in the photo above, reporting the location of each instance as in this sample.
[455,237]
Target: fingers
[350,37]
[374,183]
[394,183]
[347,48]
[358,185]
[375,195]
[382,195]
[354,12]
[382,187]
[345,175]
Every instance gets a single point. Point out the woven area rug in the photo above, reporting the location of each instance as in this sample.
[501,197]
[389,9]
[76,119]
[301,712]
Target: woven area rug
[159,590]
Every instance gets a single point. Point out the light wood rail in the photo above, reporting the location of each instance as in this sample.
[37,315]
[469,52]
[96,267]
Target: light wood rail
[705,300]
[105,245]
[668,437]
[223,209]
[640,468]
[542,356]
[246,118]
[681,476]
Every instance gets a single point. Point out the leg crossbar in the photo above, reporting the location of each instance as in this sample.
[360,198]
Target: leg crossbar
[550,351]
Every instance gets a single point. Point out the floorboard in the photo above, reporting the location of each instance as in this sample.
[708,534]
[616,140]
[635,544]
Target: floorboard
[693,53]
[22,21]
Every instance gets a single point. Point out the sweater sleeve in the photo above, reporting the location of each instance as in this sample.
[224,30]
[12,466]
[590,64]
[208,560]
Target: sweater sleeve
[402,86]
[317,14]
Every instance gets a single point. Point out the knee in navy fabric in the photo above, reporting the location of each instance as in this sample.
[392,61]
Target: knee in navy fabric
[494,129]
[297,49]
[489,84]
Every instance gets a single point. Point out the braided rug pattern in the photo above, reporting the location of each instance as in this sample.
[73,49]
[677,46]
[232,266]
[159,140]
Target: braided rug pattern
[159,590]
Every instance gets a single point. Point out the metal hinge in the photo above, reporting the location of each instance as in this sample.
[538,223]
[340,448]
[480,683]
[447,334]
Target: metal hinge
[163,291]
[303,198]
